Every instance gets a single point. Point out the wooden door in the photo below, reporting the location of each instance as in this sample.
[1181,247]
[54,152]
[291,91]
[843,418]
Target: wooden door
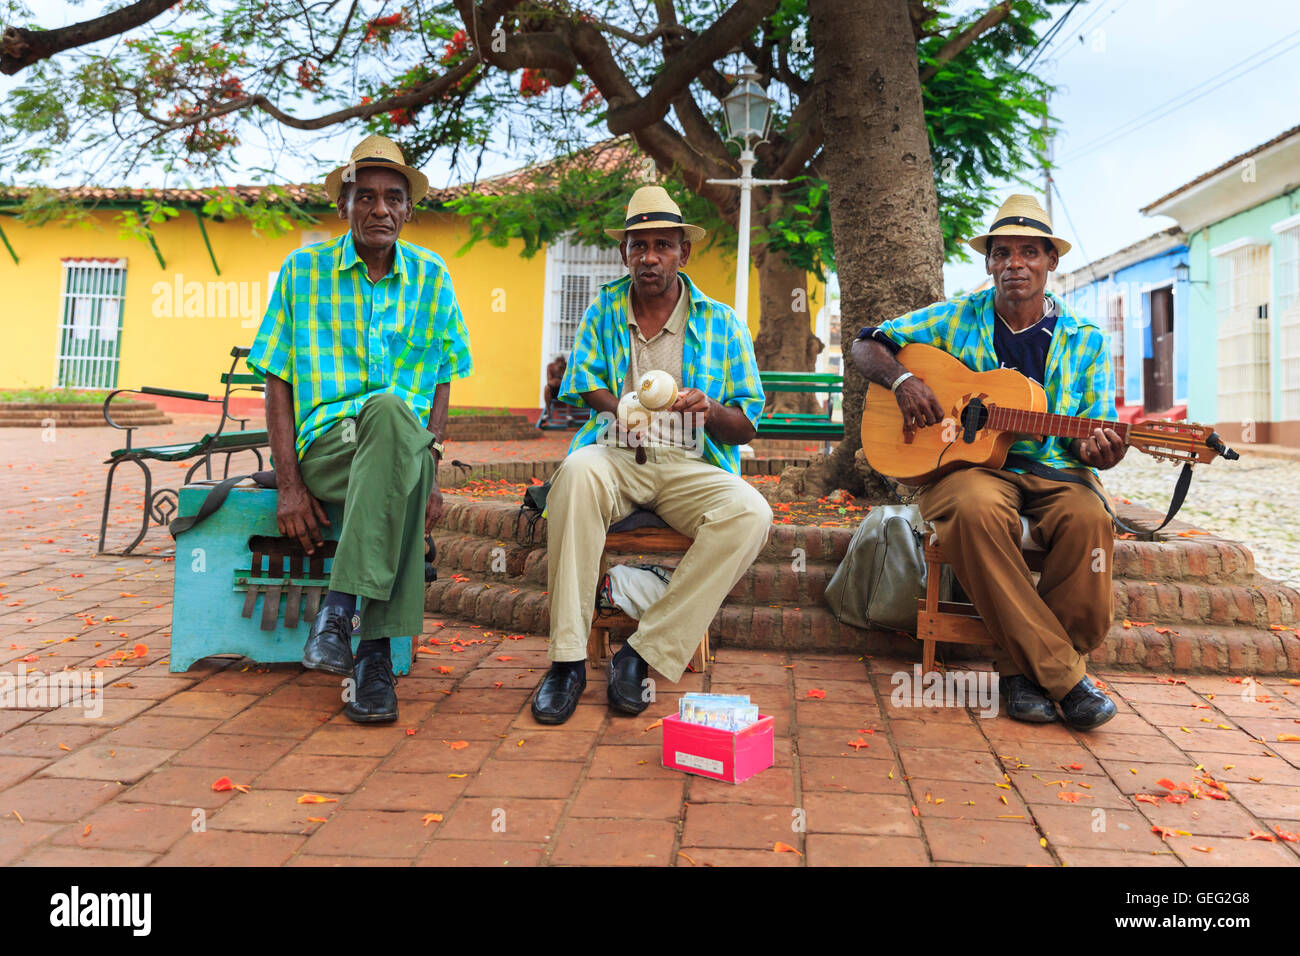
[1158,371]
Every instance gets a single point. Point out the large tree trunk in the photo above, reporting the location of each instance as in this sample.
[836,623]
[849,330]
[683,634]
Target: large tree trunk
[884,210]
[785,340]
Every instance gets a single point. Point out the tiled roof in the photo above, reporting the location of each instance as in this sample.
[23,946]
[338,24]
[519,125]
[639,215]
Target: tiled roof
[606,155]
[1218,169]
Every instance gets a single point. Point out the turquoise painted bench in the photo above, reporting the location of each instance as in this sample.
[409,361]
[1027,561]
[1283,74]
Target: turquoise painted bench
[161,502]
[242,588]
[800,424]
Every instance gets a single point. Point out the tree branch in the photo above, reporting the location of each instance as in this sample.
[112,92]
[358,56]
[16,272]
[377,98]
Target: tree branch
[20,47]
[412,98]
[992,18]
[698,54]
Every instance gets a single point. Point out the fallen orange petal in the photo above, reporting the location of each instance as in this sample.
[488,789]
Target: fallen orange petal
[657,723]
[140,650]
[316,798]
[431,818]
[817,693]
[457,744]
[315,819]
[779,847]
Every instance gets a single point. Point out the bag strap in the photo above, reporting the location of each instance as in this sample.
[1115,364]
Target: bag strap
[1056,474]
[214,499]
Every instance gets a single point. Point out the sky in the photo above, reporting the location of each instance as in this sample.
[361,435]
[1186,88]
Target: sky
[1138,61]
[1151,93]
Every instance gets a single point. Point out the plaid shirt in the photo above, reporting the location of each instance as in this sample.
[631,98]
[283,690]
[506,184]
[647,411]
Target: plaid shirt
[1079,377]
[339,338]
[717,358]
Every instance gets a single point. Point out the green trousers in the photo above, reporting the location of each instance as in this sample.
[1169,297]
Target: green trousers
[380,469]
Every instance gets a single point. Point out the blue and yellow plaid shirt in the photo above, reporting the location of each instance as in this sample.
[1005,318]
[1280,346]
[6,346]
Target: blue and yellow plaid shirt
[338,338]
[717,358]
[1079,377]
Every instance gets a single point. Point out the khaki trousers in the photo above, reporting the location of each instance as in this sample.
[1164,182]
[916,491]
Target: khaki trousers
[597,486]
[381,471]
[1046,631]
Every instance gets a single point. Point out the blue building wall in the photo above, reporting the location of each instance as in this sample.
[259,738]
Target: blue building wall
[1134,283]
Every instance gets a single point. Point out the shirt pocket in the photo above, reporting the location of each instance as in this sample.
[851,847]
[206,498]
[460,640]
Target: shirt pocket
[714,386]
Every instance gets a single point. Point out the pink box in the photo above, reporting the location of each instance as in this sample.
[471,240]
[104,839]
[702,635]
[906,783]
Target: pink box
[727,755]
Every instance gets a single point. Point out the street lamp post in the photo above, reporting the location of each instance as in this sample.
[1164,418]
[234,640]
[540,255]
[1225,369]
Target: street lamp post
[748,111]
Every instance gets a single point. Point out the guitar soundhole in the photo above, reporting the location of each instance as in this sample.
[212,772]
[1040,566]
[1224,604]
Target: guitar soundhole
[973,418]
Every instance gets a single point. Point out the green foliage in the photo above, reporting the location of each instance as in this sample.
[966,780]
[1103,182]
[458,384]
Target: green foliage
[178,95]
[44,396]
[984,118]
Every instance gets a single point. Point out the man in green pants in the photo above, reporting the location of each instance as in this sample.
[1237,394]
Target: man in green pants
[361,339]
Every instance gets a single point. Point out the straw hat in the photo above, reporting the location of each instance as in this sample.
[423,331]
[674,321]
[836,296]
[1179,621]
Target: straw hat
[378,152]
[652,208]
[1020,215]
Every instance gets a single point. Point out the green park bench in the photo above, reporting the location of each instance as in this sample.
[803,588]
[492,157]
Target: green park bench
[160,504]
[814,425]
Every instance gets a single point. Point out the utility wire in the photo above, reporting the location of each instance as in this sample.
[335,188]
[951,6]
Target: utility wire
[1038,47]
[1066,209]
[1132,125]
[1084,25]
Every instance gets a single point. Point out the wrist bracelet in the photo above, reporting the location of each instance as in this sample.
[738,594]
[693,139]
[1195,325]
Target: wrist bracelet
[900,380]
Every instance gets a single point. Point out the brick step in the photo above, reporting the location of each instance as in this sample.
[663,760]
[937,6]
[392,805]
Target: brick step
[1263,603]
[1192,648]
[1200,559]
[451,476]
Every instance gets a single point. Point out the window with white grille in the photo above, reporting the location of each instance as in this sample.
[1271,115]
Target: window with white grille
[1115,327]
[1243,299]
[574,274]
[1290,355]
[1288,268]
[91,323]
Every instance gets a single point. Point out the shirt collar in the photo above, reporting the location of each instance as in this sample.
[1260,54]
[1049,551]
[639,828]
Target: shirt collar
[346,257]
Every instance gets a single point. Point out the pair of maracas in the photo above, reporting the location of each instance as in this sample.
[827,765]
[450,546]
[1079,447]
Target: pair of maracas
[655,392]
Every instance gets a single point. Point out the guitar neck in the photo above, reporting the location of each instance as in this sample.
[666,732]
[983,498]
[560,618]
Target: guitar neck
[1024,422]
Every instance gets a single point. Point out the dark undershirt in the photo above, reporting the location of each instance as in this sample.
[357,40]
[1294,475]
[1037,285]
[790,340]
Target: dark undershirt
[1025,351]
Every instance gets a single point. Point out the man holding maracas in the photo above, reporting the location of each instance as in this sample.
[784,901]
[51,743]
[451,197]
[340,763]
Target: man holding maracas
[681,461]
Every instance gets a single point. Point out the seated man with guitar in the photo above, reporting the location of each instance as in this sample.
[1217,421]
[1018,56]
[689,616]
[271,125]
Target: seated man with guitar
[1043,634]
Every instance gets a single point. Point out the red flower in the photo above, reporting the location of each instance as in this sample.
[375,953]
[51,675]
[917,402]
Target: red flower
[532,83]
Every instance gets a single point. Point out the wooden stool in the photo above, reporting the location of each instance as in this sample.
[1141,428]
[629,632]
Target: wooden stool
[642,531]
[957,622]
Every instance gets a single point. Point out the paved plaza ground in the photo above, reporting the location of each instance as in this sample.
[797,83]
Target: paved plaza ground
[1195,771]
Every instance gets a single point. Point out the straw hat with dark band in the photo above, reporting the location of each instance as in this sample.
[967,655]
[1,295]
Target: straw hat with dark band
[1020,215]
[377,152]
[652,208]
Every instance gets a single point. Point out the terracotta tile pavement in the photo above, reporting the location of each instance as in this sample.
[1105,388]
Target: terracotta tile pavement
[930,787]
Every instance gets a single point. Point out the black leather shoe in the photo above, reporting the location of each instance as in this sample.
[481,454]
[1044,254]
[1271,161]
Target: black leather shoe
[329,643]
[627,673]
[1026,700]
[1085,707]
[558,694]
[376,691]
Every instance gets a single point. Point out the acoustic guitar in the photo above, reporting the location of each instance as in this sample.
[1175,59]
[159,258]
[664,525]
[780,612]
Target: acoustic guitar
[987,413]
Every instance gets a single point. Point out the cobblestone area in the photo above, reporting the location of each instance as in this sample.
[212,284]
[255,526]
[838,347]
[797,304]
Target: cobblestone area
[1255,499]
[1195,772]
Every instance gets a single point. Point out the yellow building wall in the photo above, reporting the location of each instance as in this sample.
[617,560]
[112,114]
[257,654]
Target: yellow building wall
[176,334]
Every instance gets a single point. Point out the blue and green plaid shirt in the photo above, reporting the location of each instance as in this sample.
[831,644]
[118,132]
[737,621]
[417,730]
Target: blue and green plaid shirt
[339,338]
[1079,377]
[717,358]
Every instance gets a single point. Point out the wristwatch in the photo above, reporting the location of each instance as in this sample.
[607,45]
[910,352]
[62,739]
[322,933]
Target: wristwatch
[436,446]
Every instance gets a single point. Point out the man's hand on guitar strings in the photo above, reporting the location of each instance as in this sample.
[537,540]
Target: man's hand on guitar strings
[919,405]
[1104,449]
